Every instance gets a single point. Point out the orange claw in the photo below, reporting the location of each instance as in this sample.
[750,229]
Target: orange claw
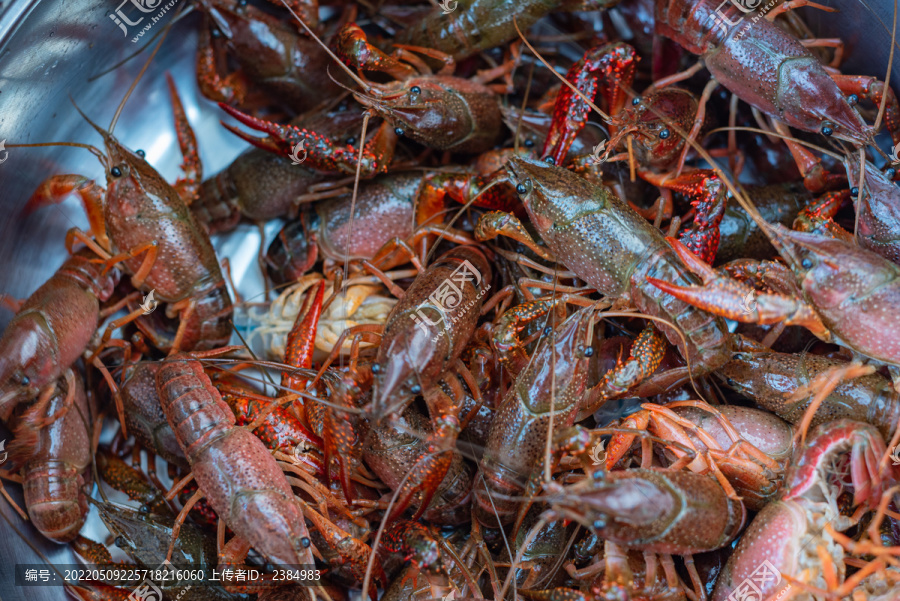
[618,62]
[340,439]
[232,88]
[818,216]
[730,298]
[55,189]
[621,442]
[426,477]
[429,471]
[510,349]
[645,357]
[354,50]
[351,551]
[301,341]
[322,154]
[481,191]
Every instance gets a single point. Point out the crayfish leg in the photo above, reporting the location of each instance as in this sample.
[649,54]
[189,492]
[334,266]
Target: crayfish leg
[55,189]
[645,357]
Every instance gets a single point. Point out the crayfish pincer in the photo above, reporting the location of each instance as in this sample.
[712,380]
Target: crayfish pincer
[232,467]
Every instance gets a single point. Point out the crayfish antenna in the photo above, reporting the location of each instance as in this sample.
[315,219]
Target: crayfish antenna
[162,38]
[93,149]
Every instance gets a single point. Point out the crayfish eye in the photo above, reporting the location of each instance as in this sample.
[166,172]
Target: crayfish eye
[305,542]
[140,153]
[852,99]
[415,389]
[116,171]
[635,101]
[664,134]
[589,352]
[351,141]
[529,143]
[415,90]
[827,128]
[854,192]
[806,263]
[890,173]
[399,131]
[523,188]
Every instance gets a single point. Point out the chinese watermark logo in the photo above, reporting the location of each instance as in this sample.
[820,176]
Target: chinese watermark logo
[745,6]
[895,153]
[598,453]
[149,303]
[448,6]
[750,589]
[145,6]
[4,151]
[748,304]
[895,455]
[599,149]
[148,591]
[295,155]
[448,298]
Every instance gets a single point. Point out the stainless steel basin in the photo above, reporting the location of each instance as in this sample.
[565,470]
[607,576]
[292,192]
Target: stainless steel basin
[52,53]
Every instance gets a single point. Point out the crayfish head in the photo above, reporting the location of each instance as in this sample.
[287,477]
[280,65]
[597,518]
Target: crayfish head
[28,363]
[831,271]
[540,187]
[395,386]
[554,197]
[419,109]
[612,505]
[815,103]
[651,121]
[131,182]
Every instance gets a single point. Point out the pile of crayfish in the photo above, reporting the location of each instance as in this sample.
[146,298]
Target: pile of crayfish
[501,354]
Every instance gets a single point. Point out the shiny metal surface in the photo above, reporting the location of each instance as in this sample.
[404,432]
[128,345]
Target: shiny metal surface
[51,50]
